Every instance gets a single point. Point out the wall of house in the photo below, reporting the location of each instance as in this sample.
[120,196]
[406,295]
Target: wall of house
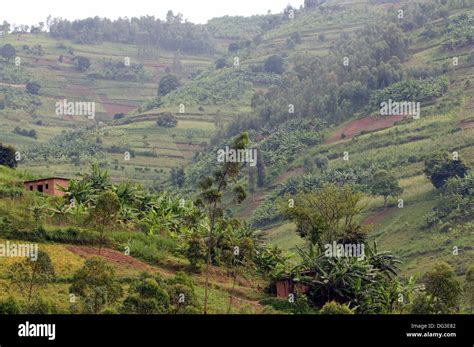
[50,187]
[283,288]
[59,183]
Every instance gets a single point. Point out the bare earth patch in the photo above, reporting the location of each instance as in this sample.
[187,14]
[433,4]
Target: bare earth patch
[367,124]
[377,217]
[468,125]
[116,258]
[112,107]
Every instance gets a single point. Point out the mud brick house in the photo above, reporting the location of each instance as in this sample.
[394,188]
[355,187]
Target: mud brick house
[287,286]
[49,186]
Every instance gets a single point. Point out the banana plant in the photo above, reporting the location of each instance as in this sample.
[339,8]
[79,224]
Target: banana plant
[60,211]
[38,211]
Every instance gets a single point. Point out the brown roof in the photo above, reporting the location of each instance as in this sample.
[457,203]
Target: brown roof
[47,179]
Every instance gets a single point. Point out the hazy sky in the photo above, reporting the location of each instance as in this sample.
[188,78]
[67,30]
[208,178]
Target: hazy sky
[197,11]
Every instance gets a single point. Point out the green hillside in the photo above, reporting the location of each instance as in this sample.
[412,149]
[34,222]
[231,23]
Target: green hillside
[305,90]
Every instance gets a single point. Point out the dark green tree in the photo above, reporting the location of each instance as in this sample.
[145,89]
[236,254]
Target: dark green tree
[33,88]
[8,52]
[440,167]
[178,177]
[167,84]
[321,162]
[221,63]
[82,63]
[167,120]
[274,64]
[147,296]
[196,251]
[7,156]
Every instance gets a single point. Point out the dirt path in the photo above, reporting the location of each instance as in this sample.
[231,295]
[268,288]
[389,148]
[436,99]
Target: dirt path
[12,85]
[377,217]
[115,257]
[468,125]
[370,123]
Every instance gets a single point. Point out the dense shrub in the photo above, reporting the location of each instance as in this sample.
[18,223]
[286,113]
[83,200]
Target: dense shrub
[7,156]
[299,306]
[335,308]
[167,120]
[10,306]
[11,192]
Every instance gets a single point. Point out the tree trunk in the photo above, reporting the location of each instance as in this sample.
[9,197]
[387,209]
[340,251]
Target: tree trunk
[208,267]
[232,292]
[101,238]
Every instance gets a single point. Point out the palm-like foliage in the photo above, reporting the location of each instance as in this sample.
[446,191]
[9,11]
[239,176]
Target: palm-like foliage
[38,211]
[60,211]
[87,189]
[79,191]
[163,215]
[365,284]
[129,193]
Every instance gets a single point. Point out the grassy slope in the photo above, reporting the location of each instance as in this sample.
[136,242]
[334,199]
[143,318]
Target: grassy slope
[61,80]
[67,260]
[399,230]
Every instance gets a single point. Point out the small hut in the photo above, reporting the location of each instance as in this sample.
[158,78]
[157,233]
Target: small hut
[49,186]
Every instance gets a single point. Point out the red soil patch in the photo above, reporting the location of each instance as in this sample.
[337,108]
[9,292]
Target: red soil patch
[468,125]
[116,258]
[112,107]
[367,124]
[376,218]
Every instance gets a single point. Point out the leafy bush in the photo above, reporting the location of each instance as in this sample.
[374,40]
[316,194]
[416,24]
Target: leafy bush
[25,132]
[68,146]
[167,120]
[440,167]
[10,306]
[155,295]
[459,32]
[410,90]
[6,227]
[11,192]
[335,308]
[299,306]
[42,306]
[456,205]
[7,156]
[167,84]
[118,71]
[33,88]
[274,64]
